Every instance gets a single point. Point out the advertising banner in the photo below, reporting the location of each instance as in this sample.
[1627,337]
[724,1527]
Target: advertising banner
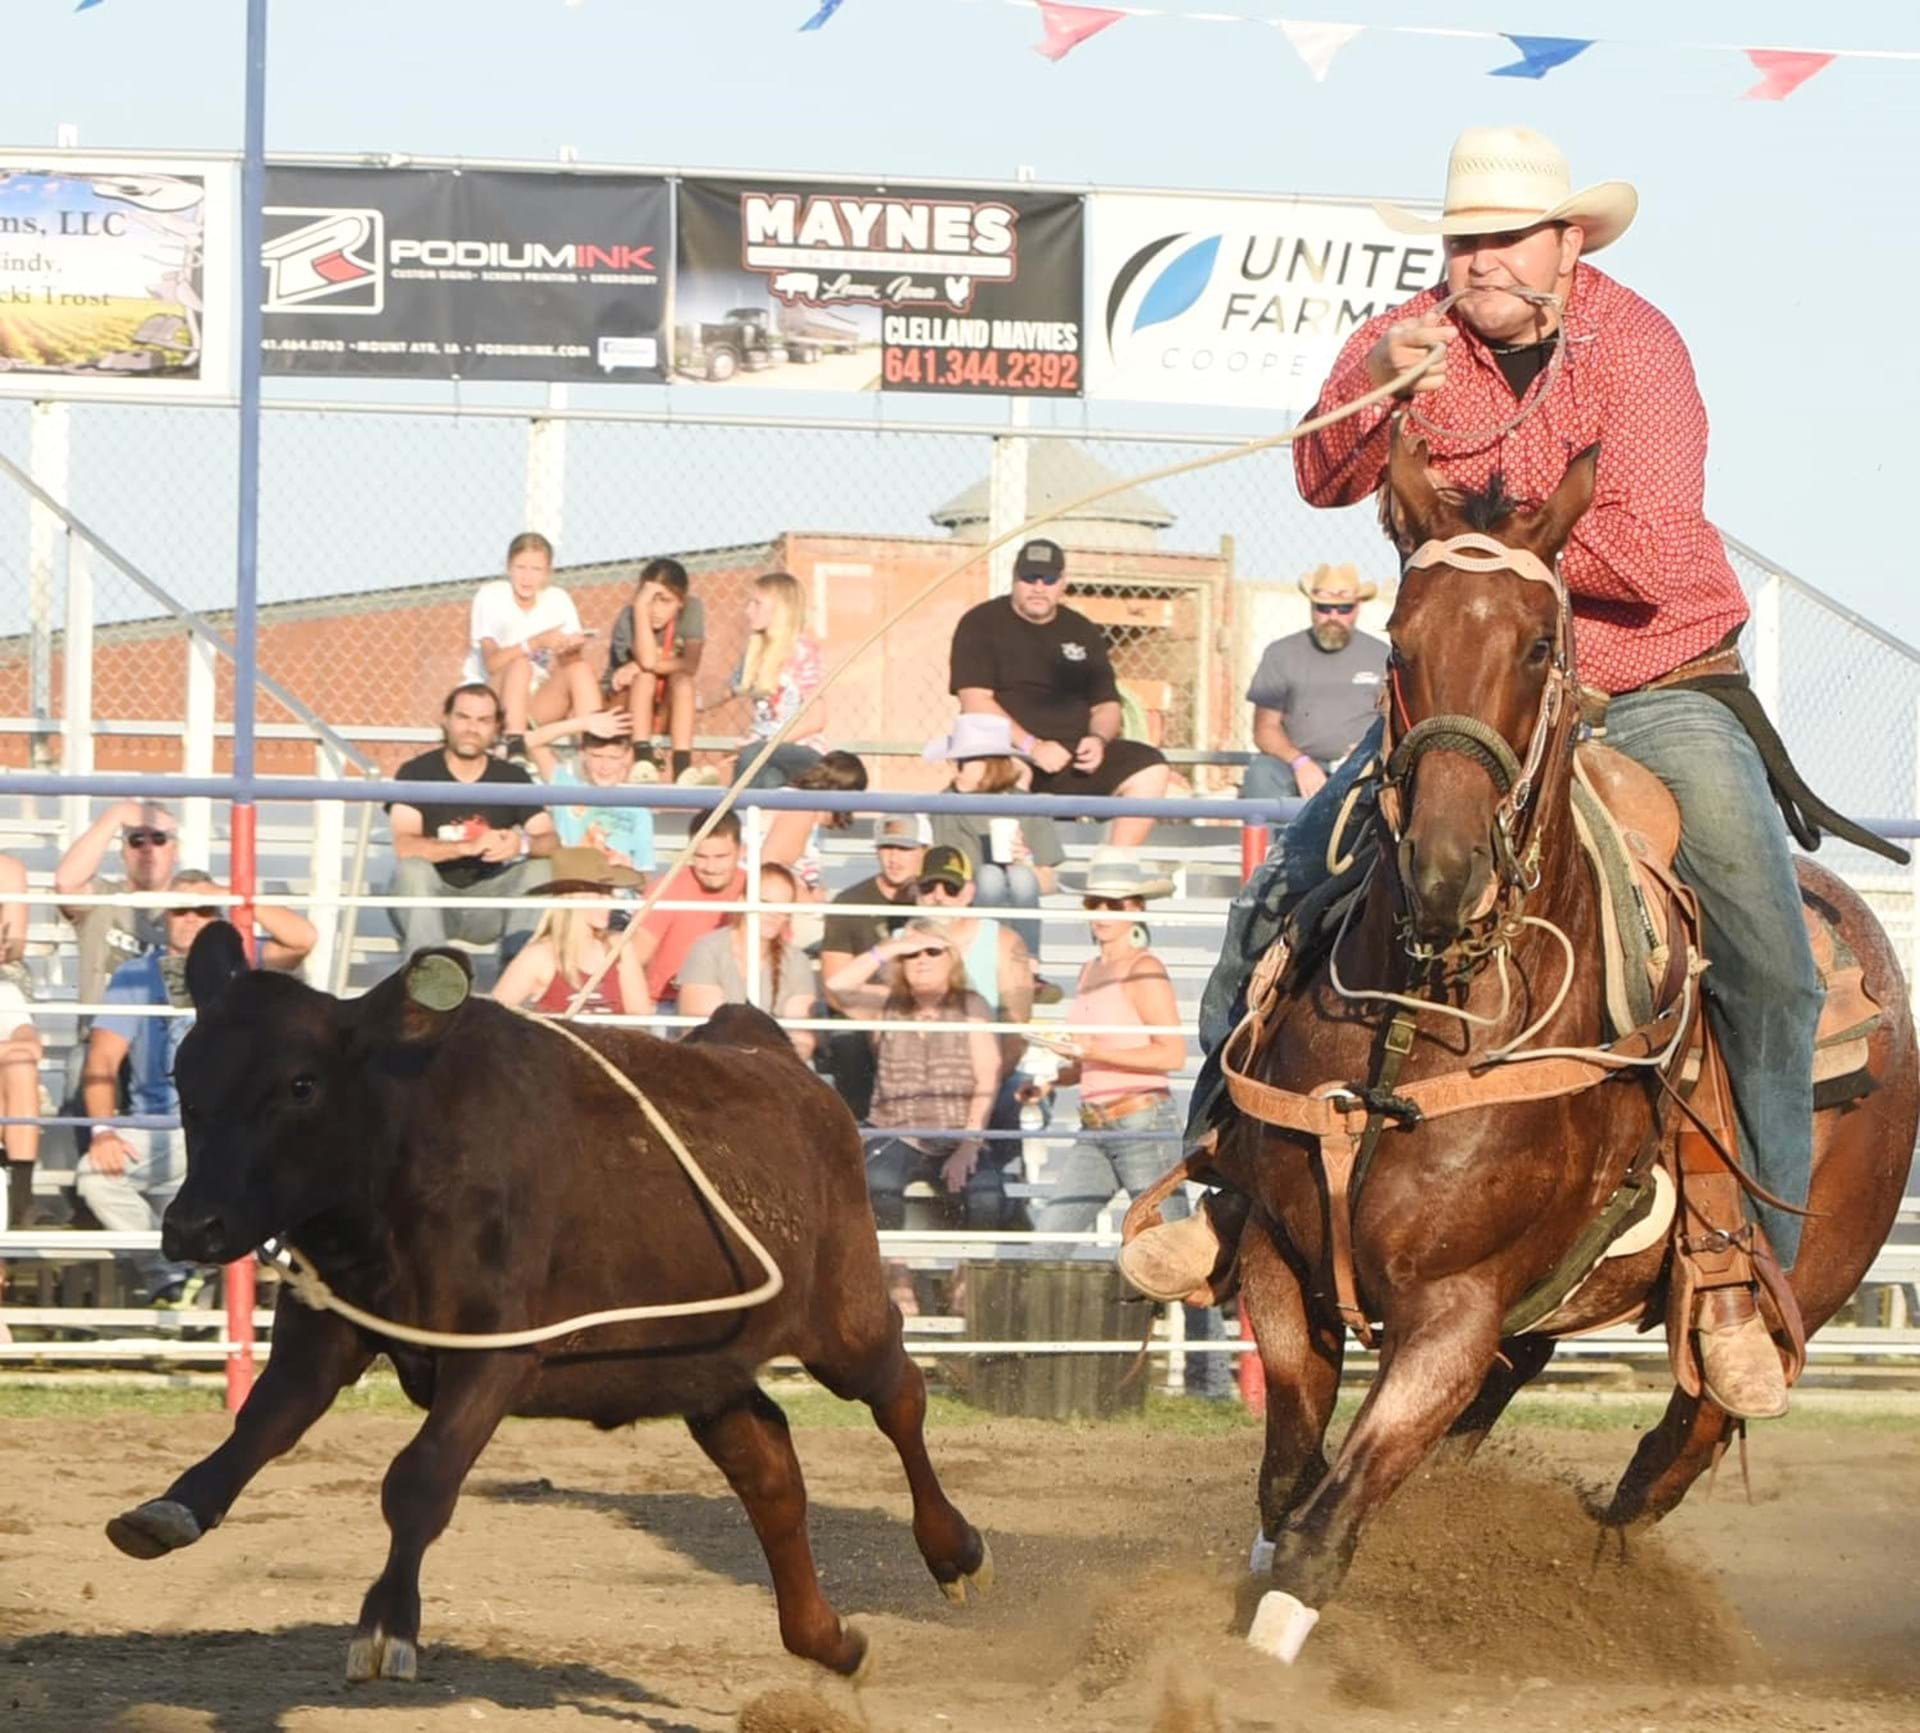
[484,274]
[1237,302]
[116,275]
[787,285]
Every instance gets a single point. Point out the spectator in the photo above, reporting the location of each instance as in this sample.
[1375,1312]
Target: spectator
[1014,859]
[110,935]
[1123,1079]
[20,1049]
[655,668]
[570,943]
[1046,668]
[1315,692]
[128,1177]
[621,835]
[779,673]
[790,834]
[936,1078]
[900,844]
[488,848]
[715,972]
[714,875]
[999,968]
[525,641]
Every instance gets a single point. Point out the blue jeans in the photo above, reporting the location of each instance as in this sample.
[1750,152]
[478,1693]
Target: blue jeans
[1762,993]
[135,1200]
[1080,1182]
[1269,778]
[787,762]
[1009,887]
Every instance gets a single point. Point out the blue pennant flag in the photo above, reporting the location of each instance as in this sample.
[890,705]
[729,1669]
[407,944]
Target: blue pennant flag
[1539,55]
[86,5]
[827,10]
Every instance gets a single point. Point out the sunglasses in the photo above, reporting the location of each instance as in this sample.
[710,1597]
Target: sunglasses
[928,886]
[1109,905]
[1047,578]
[206,914]
[148,839]
[1336,607]
[930,951]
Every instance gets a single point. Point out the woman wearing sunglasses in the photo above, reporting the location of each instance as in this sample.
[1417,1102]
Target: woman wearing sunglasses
[929,1078]
[1124,1078]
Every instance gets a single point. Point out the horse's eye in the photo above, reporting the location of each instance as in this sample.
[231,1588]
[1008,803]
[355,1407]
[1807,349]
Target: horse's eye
[1542,649]
[303,1089]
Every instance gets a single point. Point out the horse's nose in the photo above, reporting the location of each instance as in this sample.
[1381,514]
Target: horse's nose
[1446,877]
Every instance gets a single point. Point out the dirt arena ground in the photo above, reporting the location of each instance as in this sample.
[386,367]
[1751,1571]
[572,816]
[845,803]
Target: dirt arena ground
[611,1581]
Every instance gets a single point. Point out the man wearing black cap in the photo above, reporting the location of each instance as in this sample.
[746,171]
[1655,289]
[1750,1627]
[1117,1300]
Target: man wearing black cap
[1046,667]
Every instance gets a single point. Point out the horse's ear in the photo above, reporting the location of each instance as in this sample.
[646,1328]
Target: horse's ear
[1548,528]
[1410,503]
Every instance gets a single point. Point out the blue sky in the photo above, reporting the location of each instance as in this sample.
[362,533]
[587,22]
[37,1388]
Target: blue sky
[1779,236]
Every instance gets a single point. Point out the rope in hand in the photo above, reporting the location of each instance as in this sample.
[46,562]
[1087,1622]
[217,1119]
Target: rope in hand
[306,1282]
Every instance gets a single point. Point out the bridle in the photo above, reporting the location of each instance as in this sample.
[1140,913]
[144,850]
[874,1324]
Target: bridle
[1516,781]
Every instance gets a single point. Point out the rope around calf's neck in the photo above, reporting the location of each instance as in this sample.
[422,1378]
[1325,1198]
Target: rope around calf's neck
[309,1287]
[305,1280]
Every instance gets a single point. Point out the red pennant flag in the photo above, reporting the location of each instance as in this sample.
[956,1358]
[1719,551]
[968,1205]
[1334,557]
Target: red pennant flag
[1069,26]
[1782,72]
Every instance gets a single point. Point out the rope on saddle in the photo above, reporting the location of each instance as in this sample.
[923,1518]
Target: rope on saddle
[1807,815]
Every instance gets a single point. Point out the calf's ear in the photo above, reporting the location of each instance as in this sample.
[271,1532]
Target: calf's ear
[418,1005]
[218,959]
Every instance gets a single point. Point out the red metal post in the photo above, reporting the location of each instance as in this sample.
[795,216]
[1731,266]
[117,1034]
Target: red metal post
[1252,1375]
[239,1273]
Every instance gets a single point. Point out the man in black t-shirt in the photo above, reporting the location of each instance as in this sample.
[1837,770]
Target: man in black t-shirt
[900,844]
[489,847]
[1026,657]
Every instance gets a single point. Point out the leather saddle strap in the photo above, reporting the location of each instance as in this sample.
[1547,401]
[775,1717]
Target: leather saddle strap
[1337,1152]
[1714,1235]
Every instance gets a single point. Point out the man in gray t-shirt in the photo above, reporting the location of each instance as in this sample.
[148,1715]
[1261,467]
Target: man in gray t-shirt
[1314,693]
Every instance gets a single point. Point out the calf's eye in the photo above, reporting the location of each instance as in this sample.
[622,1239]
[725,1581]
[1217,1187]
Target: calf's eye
[303,1089]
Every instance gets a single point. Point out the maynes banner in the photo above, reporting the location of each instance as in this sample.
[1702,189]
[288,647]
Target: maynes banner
[116,275]
[1238,302]
[830,288]
[427,274]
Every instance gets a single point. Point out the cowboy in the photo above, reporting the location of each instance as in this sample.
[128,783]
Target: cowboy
[1540,355]
[1315,692]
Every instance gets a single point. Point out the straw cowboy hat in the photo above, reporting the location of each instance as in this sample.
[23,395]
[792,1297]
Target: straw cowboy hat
[1337,584]
[1117,872]
[975,736]
[583,871]
[1510,177]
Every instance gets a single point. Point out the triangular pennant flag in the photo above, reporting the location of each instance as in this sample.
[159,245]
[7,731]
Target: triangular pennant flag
[827,10]
[1782,72]
[86,5]
[1069,26]
[1318,43]
[1539,55]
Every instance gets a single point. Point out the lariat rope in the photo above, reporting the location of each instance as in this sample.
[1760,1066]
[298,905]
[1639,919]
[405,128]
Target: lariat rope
[305,1280]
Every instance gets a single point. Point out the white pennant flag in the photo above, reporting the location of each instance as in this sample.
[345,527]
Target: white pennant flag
[1317,43]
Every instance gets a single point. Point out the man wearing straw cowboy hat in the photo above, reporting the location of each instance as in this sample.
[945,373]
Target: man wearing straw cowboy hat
[1314,692]
[1542,356]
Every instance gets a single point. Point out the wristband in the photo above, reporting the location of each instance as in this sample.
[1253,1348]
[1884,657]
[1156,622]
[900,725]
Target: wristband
[103,1131]
[1298,759]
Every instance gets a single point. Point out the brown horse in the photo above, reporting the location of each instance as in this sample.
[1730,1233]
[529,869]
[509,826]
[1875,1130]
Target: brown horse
[1460,1216]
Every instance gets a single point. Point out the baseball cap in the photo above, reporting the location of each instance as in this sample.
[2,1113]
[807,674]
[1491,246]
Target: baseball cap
[1040,558]
[191,876]
[903,830]
[946,866]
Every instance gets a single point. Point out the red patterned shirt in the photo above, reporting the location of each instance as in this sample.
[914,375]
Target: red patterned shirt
[1647,572]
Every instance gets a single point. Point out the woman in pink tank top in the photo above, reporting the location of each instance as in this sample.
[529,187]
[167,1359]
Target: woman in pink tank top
[1124,1077]
[570,943]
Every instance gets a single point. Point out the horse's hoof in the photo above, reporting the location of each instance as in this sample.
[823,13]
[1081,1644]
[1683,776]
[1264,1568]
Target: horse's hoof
[1260,1558]
[956,1591]
[1281,1625]
[981,1576]
[862,1673]
[375,1655]
[158,1526]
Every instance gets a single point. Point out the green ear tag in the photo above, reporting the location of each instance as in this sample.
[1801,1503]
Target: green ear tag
[438,984]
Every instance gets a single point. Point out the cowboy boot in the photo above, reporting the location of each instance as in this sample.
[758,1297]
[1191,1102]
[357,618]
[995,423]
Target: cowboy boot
[1739,1364]
[1189,1259]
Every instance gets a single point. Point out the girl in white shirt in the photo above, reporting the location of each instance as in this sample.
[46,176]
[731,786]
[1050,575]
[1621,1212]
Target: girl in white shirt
[526,642]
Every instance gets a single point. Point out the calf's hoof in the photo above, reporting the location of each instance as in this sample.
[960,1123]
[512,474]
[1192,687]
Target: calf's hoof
[158,1526]
[375,1655]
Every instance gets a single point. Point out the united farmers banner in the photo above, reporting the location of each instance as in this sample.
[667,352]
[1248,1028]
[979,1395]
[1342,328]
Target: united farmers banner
[1237,302]
[116,275]
[428,274]
[832,288]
